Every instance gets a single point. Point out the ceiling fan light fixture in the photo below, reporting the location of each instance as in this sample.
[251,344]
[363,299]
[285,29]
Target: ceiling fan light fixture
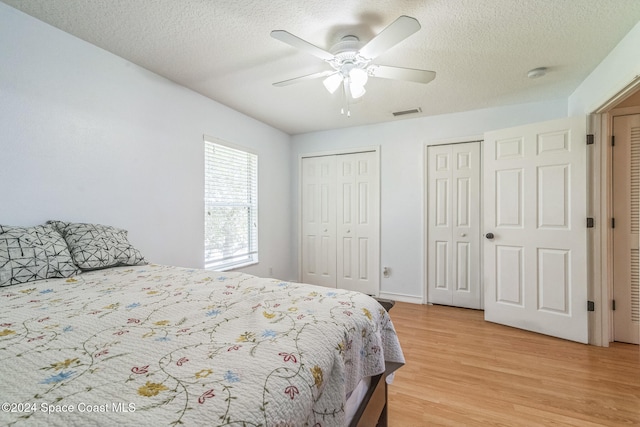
[332,83]
[358,76]
[356,90]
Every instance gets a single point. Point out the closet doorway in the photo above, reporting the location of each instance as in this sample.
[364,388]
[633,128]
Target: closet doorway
[626,225]
[340,210]
[453,251]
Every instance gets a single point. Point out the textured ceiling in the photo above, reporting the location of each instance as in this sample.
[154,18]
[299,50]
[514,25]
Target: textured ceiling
[480,49]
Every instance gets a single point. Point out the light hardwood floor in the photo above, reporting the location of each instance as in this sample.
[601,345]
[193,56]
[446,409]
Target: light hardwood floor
[463,371]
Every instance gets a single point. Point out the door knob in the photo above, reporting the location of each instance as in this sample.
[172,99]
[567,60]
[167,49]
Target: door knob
[463,234]
[489,236]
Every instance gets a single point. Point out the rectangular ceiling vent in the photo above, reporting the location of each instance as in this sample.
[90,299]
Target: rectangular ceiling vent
[405,112]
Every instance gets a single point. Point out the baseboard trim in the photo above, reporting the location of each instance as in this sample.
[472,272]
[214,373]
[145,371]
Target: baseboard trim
[401,297]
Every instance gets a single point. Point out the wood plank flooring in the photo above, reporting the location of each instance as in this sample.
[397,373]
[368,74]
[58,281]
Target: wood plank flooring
[463,371]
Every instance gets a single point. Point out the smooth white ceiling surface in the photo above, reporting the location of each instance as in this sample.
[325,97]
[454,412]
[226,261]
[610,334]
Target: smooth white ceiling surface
[480,49]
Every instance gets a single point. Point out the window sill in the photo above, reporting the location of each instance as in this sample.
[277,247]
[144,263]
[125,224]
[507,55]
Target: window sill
[234,267]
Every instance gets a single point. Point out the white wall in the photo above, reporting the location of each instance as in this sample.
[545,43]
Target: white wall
[402,145]
[87,136]
[613,74]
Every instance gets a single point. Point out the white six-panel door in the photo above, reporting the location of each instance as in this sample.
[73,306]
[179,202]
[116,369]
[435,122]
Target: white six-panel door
[535,267]
[319,220]
[454,225]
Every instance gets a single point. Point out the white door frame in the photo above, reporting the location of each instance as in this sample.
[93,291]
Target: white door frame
[600,124]
[425,212]
[374,148]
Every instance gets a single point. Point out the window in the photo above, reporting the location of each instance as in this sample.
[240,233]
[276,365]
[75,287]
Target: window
[230,206]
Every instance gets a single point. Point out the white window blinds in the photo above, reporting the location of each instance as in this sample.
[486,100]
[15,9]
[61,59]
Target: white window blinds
[231,207]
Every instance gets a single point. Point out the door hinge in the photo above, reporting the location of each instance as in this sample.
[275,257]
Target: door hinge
[591,306]
[590,223]
[613,141]
[613,305]
[590,139]
[613,223]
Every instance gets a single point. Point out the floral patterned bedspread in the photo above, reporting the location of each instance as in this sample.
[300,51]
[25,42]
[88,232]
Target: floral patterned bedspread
[158,345]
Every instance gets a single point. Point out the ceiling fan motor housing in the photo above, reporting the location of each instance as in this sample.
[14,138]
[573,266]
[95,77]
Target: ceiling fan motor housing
[346,55]
[346,44]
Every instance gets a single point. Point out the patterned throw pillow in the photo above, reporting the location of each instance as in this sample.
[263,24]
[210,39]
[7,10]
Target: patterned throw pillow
[95,246]
[33,253]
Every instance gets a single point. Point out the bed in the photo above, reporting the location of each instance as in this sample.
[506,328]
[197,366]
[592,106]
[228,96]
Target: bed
[148,344]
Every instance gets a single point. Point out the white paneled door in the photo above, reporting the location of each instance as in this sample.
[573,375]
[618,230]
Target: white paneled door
[626,211]
[358,212]
[454,225]
[340,205]
[535,246]
[319,221]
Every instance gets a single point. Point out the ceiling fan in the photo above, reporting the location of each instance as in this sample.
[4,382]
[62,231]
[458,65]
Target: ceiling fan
[351,62]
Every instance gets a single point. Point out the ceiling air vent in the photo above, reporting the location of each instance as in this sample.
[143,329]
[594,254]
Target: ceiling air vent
[405,112]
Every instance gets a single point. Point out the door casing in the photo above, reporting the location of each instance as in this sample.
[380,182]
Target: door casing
[625,235]
[600,124]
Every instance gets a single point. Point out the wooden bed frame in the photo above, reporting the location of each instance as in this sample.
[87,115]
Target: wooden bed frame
[373,409]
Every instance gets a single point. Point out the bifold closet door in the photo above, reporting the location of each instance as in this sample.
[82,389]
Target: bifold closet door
[358,222]
[454,225]
[318,205]
[340,205]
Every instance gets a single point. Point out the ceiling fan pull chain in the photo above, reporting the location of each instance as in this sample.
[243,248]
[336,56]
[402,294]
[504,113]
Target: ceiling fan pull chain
[346,96]
[344,99]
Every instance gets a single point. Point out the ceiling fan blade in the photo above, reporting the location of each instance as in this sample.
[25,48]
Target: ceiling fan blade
[305,78]
[397,31]
[397,73]
[298,43]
